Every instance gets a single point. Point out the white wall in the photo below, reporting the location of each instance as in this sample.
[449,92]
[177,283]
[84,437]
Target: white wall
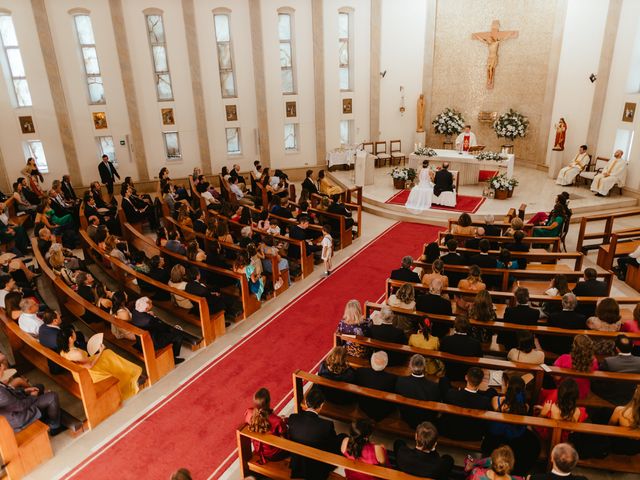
[44,118]
[613,129]
[304,83]
[580,56]
[403,61]
[360,58]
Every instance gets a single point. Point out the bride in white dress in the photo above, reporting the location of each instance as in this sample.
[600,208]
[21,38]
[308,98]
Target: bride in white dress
[420,195]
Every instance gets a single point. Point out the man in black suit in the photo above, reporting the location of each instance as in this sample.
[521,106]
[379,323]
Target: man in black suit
[48,337]
[618,393]
[161,333]
[456,426]
[404,273]
[452,257]
[309,187]
[518,246]
[564,459]
[590,287]
[235,173]
[301,232]
[383,330]
[67,189]
[309,429]
[443,181]
[338,208]
[567,318]
[490,229]
[160,274]
[483,259]
[282,209]
[460,343]
[416,386]
[521,314]
[376,378]
[424,460]
[108,173]
[433,302]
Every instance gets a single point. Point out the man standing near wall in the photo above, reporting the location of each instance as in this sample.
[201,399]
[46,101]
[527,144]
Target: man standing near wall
[108,173]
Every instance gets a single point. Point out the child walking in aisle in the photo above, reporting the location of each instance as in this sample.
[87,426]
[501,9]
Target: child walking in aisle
[327,248]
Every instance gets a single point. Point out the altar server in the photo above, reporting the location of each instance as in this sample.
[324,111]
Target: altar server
[613,174]
[567,175]
[466,139]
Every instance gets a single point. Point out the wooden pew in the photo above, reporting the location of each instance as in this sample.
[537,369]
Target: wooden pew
[156,363]
[531,275]
[205,241]
[532,256]
[22,452]
[601,237]
[99,399]
[607,253]
[354,195]
[503,224]
[553,242]
[395,426]
[249,301]
[212,325]
[251,463]
[486,363]
[633,277]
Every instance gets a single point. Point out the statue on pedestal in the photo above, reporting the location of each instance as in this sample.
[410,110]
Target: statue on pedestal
[420,113]
[561,135]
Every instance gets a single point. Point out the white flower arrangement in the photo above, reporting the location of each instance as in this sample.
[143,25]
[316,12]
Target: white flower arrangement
[403,173]
[425,152]
[502,182]
[449,122]
[511,125]
[495,156]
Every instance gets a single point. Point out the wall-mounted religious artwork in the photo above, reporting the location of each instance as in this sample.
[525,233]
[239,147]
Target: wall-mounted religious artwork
[347,106]
[99,120]
[487,117]
[291,109]
[232,113]
[167,116]
[26,125]
[629,112]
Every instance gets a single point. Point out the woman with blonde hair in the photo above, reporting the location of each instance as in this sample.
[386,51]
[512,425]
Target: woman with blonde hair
[582,358]
[261,419]
[437,271]
[335,367]
[405,297]
[177,281]
[473,282]
[354,323]
[627,416]
[517,224]
[496,467]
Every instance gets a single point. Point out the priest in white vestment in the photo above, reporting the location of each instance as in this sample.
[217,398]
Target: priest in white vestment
[466,139]
[567,175]
[612,174]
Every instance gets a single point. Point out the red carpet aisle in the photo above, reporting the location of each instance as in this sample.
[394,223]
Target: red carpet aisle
[466,203]
[195,426]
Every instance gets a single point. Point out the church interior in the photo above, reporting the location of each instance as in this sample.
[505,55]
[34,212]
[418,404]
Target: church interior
[320,239]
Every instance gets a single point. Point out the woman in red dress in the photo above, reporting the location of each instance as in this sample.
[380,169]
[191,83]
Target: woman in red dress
[261,419]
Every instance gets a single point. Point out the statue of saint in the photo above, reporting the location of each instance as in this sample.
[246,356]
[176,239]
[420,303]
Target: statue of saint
[493,39]
[421,106]
[561,135]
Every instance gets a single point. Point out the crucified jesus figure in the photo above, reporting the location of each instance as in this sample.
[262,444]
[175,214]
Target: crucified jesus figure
[492,39]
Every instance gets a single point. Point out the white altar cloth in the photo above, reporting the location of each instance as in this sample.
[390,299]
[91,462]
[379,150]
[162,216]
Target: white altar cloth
[341,156]
[465,163]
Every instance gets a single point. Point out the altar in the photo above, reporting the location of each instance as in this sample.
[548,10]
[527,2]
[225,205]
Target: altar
[467,164]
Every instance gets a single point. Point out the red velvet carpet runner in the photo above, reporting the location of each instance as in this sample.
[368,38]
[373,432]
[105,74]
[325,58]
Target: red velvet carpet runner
[194,427]
[466,203]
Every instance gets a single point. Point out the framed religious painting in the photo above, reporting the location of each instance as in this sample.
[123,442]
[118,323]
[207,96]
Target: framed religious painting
[167,116]
[291,109]
[99,120]
[231,112]
[347,106]
[629,112]
[26,125]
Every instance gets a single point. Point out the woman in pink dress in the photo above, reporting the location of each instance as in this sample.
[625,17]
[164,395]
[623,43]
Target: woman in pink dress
[358,447]
[582,359]
[261,419]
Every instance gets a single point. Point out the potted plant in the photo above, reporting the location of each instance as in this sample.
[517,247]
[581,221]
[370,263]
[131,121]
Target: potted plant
[448,123]
[402,175]
[511,125]
[513,183]
[500,184]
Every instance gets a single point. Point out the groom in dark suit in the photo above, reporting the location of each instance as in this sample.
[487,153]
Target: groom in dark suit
[443,181]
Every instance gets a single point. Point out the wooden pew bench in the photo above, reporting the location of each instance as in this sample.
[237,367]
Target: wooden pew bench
[212,325]
[99,399]
[602,236]
[549,242]
[617,248]
[22,452]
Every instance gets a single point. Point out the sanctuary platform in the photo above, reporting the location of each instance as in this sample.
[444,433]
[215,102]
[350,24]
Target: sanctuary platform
[536,190]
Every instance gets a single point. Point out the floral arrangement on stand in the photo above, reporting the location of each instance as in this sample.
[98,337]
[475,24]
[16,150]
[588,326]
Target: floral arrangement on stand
[494,156]
[402,175]
[511,125]
[502,185]
[425,151]
[449,122]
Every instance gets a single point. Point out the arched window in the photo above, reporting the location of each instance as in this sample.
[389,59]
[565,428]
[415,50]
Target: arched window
[87,42]
[14,68]
[222,26]
[158,45]
[285,35]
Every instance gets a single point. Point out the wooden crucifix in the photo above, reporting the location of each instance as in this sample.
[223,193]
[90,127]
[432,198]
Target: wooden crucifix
[493,39]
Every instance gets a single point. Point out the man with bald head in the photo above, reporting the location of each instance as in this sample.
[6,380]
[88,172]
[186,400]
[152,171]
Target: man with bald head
[564,459]
[377,378]
[612,174]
